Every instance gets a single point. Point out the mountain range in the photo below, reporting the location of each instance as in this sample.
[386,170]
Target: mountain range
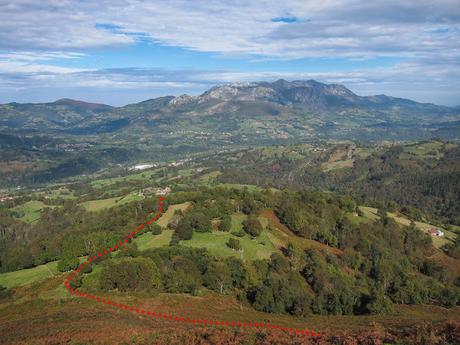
[275,110]
[69,137]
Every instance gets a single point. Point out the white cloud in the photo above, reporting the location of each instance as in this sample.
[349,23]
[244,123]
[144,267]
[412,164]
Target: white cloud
[340,27]
[437,83]
[424,33]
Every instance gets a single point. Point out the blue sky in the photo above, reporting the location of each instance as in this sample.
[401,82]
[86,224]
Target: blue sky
[124,51]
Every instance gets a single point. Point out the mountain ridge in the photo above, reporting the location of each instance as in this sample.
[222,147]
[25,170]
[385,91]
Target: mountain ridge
[285,83]
[286,109]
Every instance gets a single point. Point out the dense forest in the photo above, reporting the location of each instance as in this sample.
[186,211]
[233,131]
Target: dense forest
[419,186]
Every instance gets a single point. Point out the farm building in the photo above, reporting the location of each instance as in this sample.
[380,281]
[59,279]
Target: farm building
[155,190]
[436,232]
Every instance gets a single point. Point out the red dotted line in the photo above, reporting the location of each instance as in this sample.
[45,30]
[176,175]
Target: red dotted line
[167,316]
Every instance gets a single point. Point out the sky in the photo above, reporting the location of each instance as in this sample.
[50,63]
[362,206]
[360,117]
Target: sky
[125,51]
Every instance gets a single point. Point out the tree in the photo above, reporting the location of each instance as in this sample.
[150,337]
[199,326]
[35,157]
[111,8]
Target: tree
[218,277]
[248,206]
[68,263]
[279,263]
[225,223]
[238,272]
[156,229]
[263,299]
[184,276]
[252,226]
[234,243]
[199,222]
[184,230]
[379,304]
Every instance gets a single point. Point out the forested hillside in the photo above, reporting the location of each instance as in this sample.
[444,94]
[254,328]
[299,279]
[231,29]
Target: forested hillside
[418,179]
[331,262]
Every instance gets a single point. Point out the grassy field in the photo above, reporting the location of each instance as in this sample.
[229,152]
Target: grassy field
[97,205]
[210,177]
[360,220]
[61,192]
[424,149]
[149,241]
[145,175]
[28,276]
[252,249]
[31,210]
[250,187]
[215,243]
[31,275]
[347,163]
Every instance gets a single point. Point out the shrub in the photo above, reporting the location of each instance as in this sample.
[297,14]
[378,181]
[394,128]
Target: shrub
[4,292]
[156,229]
[379,304]
[184,230]
[68,263]
[238,233]
[226,223]
[252,226]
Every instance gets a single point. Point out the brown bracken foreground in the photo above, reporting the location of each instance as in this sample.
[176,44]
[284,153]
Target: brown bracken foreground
[30,319]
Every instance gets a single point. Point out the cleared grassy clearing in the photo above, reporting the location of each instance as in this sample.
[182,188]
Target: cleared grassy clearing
[145,175]
[250,187]
[358,219]
[31,210]
[62,192]
[210,177]
[348,163]
[215,243]
[424,149]
[166,217]
[252,249]
[149,241]
[29,275]
[97,205]
[369,212]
